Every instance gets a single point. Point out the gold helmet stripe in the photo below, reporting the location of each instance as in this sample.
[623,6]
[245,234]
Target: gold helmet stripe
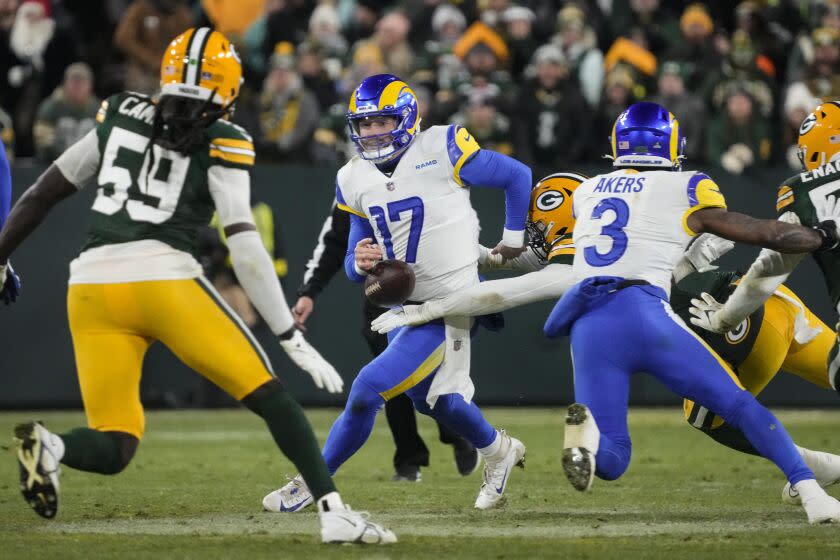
[567,175]
[195,52]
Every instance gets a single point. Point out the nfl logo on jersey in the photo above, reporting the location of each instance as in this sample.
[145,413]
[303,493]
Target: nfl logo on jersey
[390,185]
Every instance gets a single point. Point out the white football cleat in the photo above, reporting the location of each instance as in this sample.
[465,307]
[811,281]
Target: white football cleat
[497,471]
[39,467]
[580,445]
[819,506]
[348,526]
[826,468]
[294,496]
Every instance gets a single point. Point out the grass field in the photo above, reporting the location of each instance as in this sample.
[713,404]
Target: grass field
[194,491]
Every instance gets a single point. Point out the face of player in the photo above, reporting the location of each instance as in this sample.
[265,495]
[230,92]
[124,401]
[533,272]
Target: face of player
[374,131]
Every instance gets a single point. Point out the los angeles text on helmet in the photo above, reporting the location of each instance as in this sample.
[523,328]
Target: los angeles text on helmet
[819,172]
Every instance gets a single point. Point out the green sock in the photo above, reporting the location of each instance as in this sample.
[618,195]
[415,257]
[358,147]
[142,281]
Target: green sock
[731,438]
[100,452]
[294,436]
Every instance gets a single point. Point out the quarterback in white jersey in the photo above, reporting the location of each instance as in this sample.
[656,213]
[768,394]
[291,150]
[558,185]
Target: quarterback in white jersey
[409,191]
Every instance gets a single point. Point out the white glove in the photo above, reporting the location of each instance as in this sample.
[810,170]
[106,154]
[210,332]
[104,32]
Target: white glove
[401,317]
[829,210]
[706,314]
[707,249]
[3,275]
[487,260]
[309,360]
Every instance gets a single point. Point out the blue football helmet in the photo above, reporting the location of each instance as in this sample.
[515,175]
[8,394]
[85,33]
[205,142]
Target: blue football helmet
[383,95]
[647,135]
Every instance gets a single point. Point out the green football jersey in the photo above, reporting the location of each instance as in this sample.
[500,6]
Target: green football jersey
[798,195]
[165,198]
[734,346]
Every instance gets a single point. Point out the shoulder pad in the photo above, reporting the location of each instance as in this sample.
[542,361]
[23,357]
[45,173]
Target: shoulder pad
[231,145]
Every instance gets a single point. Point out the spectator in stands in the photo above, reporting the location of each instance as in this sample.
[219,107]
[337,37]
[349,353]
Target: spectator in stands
[33,62]
[579,44]
[315,78]
[739,137]
[687,106]
[695,49]
[143,34]
[802,53]
[484,56]
[554,121]
[437,66]
[743,69]
[490,128]
[519,23]
[391,38]
[632,52]
[491,13]
[67,115]
[771,41]
[285,115]
[620,91]
[325,36]
[651,20]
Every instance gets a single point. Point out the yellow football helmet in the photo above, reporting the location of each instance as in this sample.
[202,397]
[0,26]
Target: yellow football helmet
[201,64]
[819,136]
[550,220]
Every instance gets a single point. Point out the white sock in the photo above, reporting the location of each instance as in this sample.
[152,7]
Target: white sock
[825,466]
[493,448]
[808,490]
[330,502]
[53,443]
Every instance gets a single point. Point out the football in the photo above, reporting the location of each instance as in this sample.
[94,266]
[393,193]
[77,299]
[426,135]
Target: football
[390,283]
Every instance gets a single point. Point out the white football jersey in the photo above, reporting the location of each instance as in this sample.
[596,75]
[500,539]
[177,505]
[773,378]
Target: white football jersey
[422,213]
[633,224]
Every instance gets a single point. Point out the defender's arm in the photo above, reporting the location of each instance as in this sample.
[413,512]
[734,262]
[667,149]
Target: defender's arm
[64,177]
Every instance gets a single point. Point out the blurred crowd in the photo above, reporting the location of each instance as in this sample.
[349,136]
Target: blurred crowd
[542,80]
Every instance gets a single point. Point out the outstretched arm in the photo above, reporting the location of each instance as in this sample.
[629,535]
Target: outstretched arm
[61,179]
[771,234]
[484,298]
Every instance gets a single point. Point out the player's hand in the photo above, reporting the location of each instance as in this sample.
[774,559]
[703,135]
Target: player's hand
[367,254]
[707,249]
[302,310]
[508,252]
[828,216]
[400,317]
[9,284]
[705,313]
[488,260]
[309,360]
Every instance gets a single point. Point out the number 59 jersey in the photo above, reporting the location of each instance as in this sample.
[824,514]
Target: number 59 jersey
[421,213]
[633,224]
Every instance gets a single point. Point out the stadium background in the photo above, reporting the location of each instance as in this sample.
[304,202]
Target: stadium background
[541,80]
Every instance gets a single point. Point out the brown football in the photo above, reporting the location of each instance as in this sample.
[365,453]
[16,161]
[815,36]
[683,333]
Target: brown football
[390,283]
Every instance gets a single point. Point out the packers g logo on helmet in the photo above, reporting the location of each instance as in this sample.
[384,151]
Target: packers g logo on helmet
[201,64]
[549,200]
[550,219]
[819,136]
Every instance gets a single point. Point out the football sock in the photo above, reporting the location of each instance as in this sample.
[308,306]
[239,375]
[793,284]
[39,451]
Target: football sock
[731,438]
[768,436]
[462,418]
[353,426]
[91,450]
[493,448]
[293,435]
[330,502]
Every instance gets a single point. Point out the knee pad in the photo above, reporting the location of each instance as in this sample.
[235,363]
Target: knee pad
[735,411]
[126,445]
[363,398]
[613,459]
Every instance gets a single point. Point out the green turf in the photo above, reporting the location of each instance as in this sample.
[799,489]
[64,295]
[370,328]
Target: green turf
[194,491]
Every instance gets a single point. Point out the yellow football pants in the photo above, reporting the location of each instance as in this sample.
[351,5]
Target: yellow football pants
[775,348]
[114,324]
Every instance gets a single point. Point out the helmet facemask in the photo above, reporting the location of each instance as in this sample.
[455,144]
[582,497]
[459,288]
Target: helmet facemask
[380,148]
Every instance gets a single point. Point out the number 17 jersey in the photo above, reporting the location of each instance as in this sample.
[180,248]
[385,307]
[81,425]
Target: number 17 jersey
[634,224]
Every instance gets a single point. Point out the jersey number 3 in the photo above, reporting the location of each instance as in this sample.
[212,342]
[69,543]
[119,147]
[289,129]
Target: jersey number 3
[155,194]
[614,230]
[396,209]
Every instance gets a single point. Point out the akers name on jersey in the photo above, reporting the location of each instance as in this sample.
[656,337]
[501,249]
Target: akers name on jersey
[421,214]
[633,224]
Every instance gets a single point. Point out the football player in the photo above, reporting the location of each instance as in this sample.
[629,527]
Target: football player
[410,191]
[802,199]
[632,227]
[782,334]
[9,281]
[161,167]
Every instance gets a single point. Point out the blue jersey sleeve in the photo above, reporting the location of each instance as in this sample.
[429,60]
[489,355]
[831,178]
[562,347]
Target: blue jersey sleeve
[359,229]
[494,170]
[5,187]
